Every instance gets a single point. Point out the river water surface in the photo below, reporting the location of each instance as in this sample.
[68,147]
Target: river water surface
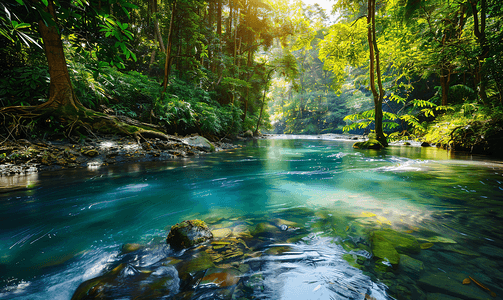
[299,218]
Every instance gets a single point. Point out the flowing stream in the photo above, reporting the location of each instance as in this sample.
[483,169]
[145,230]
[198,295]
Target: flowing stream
[299,217]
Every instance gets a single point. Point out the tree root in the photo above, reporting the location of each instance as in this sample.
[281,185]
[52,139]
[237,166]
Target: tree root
[76,121]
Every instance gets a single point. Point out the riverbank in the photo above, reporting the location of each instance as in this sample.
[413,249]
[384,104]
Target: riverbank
[25,157]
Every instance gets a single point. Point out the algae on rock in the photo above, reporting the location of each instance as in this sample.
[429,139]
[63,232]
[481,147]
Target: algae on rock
[188,233]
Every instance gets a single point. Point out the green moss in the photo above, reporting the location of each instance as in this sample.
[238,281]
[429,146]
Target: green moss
[199,223]
[384,250]
[370,144]
[403,243]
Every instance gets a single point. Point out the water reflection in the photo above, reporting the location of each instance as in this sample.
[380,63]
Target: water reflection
[9,183]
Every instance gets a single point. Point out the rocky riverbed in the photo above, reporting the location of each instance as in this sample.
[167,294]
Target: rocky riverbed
[23,157]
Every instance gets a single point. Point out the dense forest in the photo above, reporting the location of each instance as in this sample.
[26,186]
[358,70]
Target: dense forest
[399,69]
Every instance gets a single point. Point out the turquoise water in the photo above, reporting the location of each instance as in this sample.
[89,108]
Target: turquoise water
[62,228]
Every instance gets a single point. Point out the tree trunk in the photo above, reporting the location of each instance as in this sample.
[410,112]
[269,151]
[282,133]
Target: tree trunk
[263,103]
[157,32]
[480,33]
[444,84]
[60,89]
[167,63]
[374,63]
[219,17]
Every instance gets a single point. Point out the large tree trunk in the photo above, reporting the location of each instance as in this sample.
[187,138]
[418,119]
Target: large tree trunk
[60,89]
[167,64]
[157,31]
[374,63]
[479,31]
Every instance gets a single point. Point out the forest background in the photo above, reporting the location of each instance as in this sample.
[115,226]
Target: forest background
[398,69]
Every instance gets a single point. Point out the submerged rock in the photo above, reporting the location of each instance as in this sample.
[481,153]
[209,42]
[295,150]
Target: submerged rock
[221,233]
[221,277]
[131,247]
[411,265]
[265,229]
[451,284]
[200,262]
[188,233]
[384,250]
[370,144]
[403,243]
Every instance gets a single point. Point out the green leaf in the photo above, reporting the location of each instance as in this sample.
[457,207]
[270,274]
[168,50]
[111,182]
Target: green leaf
[45,2]
[21,25]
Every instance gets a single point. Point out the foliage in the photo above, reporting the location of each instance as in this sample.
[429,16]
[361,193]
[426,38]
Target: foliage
[24,86]
[187,110]
[469,126]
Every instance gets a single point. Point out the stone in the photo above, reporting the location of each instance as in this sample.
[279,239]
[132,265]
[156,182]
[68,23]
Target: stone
[425,144]
[491,251]
[384,250]
[241,231]
[248,133]
[451,284]
[221,277]
[279,222]
[221,233]
[352,260]
[131,247]
[370,144]
[403,243]
[200,262]
[200,143]
[411,265]
[438,239]
[264,229]
[90,152]
[188,233]
[438,296]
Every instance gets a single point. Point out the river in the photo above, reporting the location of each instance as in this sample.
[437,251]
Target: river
[301,218]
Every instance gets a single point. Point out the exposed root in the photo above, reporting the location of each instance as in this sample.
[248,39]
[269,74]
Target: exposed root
[72,119]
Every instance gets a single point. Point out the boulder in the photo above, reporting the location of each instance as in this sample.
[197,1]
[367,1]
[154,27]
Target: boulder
[200,143]
[451,284]
[384,250]
[403,243]
[411,265]
[188,233]
[248,134]
[221,277]
[425,144]
[370,144]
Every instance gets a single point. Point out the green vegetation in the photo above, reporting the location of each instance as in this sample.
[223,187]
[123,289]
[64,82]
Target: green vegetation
[399,69]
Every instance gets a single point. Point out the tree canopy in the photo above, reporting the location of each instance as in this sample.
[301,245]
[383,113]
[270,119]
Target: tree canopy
[221,67]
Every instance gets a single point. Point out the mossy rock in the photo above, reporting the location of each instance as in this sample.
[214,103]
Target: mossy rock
[384,250]
[411,265]
[221,277]
[131,247]
[90,152]
[188,233]
[221,233]
[265,229]
[202,261]
[352,260]
[370,144]
[200,143]
[403,243]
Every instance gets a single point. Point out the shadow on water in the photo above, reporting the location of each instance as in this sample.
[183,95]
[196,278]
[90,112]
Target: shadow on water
[292,219]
